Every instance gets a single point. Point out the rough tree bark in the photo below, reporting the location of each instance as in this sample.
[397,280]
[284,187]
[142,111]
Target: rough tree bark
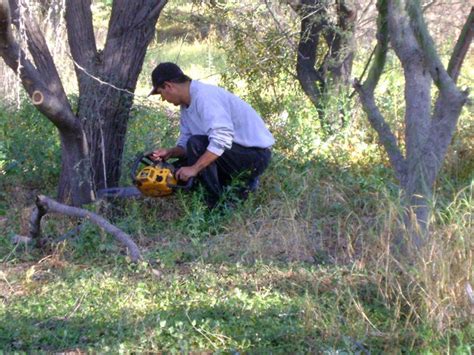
[104,110]
[428,132]
[92,139]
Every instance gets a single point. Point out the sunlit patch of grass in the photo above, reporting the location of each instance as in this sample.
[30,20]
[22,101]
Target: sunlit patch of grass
[197,306]
[58,305]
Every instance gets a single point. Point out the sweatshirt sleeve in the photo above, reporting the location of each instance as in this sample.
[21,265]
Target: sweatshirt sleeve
[218,123]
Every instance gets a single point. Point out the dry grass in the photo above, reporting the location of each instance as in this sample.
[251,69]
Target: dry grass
[429,289]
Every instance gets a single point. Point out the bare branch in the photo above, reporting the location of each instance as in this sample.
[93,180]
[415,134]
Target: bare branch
[445,118]
[450,101]
[386,137]
[45,205]
[35,223]
[462,46]
[380,51]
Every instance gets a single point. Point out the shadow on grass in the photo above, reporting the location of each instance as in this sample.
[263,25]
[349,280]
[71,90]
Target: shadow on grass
[183,328]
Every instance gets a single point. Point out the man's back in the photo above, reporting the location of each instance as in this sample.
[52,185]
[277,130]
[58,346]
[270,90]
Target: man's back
[224,117]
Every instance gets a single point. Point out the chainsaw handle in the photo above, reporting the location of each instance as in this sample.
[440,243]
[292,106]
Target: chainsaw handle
[141,158]
[144,158]
[186,187]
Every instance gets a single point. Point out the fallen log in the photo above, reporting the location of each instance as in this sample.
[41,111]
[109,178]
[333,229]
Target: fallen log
[46,205]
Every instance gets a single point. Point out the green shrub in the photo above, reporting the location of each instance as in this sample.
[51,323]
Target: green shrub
[29,147]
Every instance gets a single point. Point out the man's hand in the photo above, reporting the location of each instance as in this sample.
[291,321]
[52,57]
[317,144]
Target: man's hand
[161,154]
[186,172]
[164,154]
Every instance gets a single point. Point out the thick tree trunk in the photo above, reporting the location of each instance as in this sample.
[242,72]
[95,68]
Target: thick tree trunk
[107,79]
[105,123]
[74,182]
[42,83]
[417,199]
[418,185]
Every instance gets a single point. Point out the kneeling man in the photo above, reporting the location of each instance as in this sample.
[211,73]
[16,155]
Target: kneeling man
[221,136]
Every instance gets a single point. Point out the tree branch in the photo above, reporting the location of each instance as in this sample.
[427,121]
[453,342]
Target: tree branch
[450,101]
[405,40]
[155,12]
[45,205]
[80,32]
[461,48]
[381,49]
[129,19]
[42,57]
[30,77]
[386,137]
[340,39]
[35,224]
[436,68]
[367,96]
[311,80]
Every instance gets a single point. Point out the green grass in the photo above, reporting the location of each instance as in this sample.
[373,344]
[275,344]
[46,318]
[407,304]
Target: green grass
[196,306]
[301,267]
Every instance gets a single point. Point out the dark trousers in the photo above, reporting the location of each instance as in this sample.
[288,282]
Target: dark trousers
[245,162]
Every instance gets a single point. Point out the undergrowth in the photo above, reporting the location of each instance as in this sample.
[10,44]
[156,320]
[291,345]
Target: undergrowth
[304,265]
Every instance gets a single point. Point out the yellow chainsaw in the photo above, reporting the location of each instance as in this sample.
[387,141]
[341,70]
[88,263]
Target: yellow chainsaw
[151,179]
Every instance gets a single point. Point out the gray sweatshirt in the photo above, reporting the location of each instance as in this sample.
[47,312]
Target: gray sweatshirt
[224,118]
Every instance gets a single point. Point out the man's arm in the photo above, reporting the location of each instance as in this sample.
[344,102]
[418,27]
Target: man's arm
[187,172]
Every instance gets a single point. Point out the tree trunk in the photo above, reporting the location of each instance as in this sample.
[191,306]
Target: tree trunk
[312,80]
[335,68]
[341,43]
[93,139]
[427,132]
[417,199]
[105,124]
[74,182]
[108,79]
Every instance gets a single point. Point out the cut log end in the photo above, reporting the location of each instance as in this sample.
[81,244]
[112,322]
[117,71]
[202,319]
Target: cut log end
[37,97]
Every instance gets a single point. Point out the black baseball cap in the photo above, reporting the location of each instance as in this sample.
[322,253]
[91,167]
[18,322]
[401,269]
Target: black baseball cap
[164,72]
